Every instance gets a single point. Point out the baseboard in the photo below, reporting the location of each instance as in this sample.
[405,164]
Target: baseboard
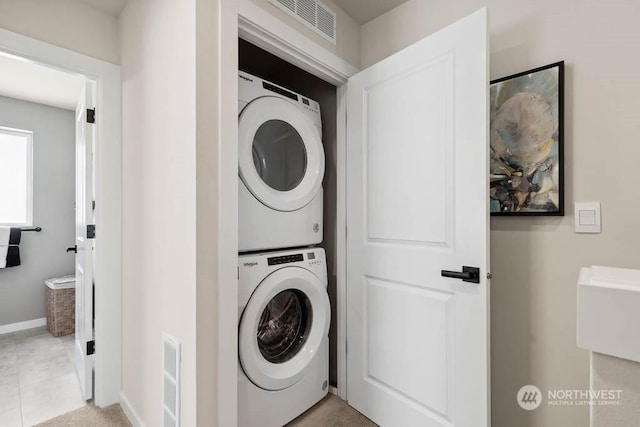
[333,390]
[128,410]
[21,326]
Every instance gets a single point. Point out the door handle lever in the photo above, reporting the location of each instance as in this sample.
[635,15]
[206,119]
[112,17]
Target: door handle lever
[73,249]
[468,274]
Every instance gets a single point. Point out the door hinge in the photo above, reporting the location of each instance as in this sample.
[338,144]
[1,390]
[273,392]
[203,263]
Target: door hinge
[91,115]
[91,347]
[91,231]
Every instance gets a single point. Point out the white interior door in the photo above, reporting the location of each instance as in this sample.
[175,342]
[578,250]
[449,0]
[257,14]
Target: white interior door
[84,246]
[417,204]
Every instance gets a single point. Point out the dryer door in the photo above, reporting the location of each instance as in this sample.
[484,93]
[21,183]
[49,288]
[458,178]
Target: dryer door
[280,154]
[282,327]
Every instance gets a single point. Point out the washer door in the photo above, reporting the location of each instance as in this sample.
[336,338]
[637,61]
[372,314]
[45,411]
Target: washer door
[282,327]
[280,154]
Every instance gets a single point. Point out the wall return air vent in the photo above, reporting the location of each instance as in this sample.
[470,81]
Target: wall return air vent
[313,14]
[170,382]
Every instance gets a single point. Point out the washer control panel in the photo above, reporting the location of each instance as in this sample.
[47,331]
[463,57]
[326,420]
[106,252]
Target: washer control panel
[313,259]
[285,259]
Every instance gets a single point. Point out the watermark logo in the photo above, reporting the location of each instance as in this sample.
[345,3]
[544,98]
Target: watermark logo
[584,397]
[529,397]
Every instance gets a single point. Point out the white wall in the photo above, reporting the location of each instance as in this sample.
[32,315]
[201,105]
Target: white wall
[535,261]
[210,341]
[43,255]
[158,42]
[66,23]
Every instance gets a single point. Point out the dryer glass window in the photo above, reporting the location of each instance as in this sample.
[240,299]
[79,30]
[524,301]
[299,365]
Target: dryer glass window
[284,325]
[279,155]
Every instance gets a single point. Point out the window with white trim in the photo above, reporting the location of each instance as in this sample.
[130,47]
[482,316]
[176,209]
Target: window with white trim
[16,177]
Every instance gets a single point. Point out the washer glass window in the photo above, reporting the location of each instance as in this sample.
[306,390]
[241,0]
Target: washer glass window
[279,155]
[284,325]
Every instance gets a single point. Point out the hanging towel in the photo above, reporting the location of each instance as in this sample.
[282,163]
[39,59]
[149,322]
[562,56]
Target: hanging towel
[9,250]
[13,256]
[10,236]
[9,256]
[15,235]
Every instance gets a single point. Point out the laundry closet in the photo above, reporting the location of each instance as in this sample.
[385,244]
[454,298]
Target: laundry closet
[256,62]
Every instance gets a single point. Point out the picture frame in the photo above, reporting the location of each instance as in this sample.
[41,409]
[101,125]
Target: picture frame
[527,143]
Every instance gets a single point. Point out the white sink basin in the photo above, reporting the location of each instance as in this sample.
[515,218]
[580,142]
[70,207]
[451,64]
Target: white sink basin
[609,311]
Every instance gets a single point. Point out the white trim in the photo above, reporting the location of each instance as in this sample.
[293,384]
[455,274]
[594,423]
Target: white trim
[249,21]
[269,33]
[333,390]
[21,326]
[29,178]
[227,227]
[108,161]
[341,240]
[129,412]
[28,135]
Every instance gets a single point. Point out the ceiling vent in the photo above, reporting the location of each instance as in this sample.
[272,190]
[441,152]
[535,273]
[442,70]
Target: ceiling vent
[313,14]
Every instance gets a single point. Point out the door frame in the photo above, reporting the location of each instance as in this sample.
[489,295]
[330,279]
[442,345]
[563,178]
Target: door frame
[245,19]
[108,183]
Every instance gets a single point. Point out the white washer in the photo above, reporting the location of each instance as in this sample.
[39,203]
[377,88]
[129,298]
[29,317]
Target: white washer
[281,167]
[283,344]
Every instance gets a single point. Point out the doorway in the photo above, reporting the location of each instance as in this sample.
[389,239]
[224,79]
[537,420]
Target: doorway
[251,25]
[107,252]
[262,64]
[37,145]
[286,44]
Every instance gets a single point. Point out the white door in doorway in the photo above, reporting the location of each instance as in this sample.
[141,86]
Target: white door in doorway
[84,245]
[417,204]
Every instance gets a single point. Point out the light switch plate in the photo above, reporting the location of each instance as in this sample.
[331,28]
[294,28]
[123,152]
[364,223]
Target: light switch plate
[587,217]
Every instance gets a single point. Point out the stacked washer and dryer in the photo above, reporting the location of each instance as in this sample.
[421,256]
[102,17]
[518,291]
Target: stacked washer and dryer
[283,306]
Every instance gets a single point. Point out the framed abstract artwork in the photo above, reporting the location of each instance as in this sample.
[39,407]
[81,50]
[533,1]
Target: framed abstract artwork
[526,143]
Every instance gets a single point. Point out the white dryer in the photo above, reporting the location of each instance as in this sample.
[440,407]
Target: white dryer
[283,344]
[281,167]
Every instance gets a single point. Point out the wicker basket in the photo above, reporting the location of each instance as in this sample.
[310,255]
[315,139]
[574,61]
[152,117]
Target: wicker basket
[61,311]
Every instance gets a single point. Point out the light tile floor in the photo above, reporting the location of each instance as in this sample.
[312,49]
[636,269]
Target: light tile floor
[37,377]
